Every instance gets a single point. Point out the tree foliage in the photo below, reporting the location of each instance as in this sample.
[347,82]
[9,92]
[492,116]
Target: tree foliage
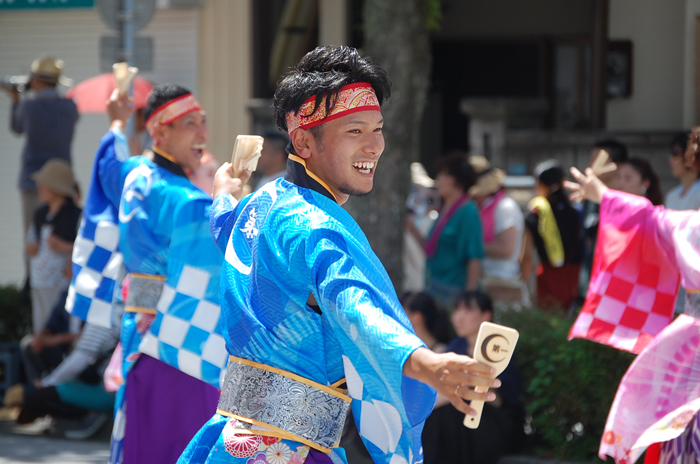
[569,386]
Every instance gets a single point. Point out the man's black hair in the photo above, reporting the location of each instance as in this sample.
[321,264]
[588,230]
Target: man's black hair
[549,173]
[457,165]
[323,71]
[161,95]
[482,300]
[617,150]
[680,140]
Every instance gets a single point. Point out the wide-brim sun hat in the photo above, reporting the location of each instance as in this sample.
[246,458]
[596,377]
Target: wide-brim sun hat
[420,176]
[57,175]
[50,69]
[488,180]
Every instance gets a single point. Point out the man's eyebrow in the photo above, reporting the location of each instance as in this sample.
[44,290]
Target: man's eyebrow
[358,121]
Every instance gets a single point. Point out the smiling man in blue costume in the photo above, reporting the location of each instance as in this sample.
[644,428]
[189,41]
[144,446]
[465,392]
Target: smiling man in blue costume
[145,210]
[307,307]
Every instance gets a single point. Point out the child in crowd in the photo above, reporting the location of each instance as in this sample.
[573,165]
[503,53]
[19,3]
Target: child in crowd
[445,438]
[50,238]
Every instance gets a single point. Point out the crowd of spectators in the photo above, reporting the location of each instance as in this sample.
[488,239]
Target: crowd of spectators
[464,231]
[470,245]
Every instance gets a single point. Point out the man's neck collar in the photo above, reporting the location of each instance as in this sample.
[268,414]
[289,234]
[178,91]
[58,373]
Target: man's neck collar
[164,154]
[299,174]
[167,161]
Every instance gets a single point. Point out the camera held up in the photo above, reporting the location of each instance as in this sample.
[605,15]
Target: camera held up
[16,83]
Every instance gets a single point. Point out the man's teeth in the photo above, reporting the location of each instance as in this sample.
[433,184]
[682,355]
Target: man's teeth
[364,167]
[199,146]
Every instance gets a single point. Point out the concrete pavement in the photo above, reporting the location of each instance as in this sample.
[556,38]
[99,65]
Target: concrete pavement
[29,445]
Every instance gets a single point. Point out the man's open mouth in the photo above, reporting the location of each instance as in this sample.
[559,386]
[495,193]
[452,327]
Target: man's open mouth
[365,167]
[199,147]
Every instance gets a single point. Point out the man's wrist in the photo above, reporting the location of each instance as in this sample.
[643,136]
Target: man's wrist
[417,366]
[117,125]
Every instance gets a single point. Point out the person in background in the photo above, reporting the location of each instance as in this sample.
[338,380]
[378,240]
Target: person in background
[203,176]
[75,389]
[48,122]
[636,176]
[422,203]
[43,351]
[273,158]
[553,227]
[685,196]
[445,438]
[503,226]
[455,246]
[429,321]
[50,239]
[617,153]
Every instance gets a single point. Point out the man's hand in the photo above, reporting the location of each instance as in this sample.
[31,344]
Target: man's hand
[31,248]
[39,341]
[224,182]
[119,108]
[59,245]
[589,187]
[12,92]
[452,375]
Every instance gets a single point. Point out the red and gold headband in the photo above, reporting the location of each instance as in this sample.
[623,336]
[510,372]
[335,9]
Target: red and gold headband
[351,99]
[170,111]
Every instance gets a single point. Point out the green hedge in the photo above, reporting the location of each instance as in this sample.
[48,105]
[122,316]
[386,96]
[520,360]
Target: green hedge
[15,315]
[568,386]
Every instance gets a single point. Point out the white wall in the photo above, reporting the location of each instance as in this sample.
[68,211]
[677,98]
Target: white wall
[657,31]
[73,35]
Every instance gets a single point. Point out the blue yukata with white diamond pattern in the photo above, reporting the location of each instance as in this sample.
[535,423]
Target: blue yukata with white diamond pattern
[164,217]
[281,244]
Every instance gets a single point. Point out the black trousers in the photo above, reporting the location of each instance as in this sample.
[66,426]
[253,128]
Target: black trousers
[45,401]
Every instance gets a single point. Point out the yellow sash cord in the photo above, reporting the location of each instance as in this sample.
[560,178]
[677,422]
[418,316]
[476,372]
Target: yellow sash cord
[549,230]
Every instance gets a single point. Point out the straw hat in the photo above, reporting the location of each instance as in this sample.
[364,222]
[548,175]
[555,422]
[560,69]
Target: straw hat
[49,69]
[420,176]
[57,175]
[489,180]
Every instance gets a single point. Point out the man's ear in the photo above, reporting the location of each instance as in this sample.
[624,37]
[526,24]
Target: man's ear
[304,143]
[159,137]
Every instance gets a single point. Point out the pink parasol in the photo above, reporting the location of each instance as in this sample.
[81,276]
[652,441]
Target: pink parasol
[91,94]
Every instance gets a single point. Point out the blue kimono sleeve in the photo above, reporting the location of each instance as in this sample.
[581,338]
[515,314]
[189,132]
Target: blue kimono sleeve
[97,261]
[361,307]
[107,170]
[222,218]
[186,332]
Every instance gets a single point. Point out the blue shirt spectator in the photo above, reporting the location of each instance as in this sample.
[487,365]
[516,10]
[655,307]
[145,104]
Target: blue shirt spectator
[48,121]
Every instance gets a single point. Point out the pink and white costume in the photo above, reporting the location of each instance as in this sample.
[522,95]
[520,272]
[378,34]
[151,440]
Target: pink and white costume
[658,398]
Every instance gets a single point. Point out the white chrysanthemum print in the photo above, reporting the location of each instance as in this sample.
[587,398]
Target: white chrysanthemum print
[278,453]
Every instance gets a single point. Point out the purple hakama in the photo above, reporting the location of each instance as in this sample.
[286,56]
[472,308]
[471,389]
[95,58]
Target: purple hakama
[165,409]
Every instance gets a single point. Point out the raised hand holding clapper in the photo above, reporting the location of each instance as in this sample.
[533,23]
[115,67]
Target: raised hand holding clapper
[123,75]
[246,152]
[494,346]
